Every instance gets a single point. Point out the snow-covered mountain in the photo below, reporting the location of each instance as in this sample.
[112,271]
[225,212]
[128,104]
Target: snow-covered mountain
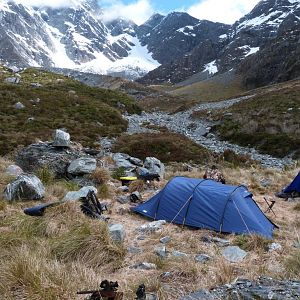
[246,38]
[168,48]
[71,37]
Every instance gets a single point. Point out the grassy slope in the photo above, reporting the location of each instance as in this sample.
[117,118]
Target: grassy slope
[269,121]
[85,112]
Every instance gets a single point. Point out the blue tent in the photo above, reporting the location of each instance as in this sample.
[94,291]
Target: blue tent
[294,186]
[204,203]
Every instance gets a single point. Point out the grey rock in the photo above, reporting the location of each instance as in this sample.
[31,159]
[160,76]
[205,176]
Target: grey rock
[202,258]
[134,250]
[135,197]
[165,240]
[15,80]
[216,240]
[151,297]
[25,187]
[61,138]
[143,266]
[296,244]
[234,254]
[141,171]
[155,166]
[123,188]
[141,237]
[82,165]
[200,295]
[76,195]
[122,161]
[274,246]
[36,84]
[13,170]
[117,232]
[265,182]
[123,199]
[179,254]
[152,226]
[19,105]
[161,251]
[136,161]
[44,155]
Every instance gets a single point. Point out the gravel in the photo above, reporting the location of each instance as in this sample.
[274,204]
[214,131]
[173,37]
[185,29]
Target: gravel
[198,131]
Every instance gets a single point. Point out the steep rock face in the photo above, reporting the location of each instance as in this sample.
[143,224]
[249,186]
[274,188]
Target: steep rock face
[279,60]
[248,36]
[71,37]
[24,38]
[170,37]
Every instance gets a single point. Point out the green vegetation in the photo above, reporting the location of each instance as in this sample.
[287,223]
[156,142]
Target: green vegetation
[166,146]
[269,121]
[60,102]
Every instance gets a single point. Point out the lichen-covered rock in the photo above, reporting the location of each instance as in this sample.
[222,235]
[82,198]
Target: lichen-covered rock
[25,187]
[154,166]
[82,165]
[44,155]
[234,254]
[61,139]
[76,195]
[117,232]
[13,170]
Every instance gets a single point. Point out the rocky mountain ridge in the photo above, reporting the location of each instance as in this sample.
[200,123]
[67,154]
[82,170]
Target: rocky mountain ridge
[246,39]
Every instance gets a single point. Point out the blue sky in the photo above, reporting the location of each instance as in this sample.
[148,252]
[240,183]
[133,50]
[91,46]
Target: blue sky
[225,11]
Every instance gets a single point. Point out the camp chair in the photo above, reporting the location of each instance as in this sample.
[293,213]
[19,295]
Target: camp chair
[270,206]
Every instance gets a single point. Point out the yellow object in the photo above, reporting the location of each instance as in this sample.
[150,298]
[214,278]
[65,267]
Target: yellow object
[128,178]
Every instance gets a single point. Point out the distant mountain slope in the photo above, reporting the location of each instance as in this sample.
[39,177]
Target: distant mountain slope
[267,21]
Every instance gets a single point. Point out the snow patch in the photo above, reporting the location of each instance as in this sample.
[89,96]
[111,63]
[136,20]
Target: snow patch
[211,68]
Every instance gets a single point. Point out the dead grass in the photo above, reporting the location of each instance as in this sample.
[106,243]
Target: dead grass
[137,185]
[64,251]
[100,176]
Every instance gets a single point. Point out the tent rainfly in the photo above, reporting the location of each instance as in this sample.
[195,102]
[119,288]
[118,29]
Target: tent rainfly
[294,186]
[204,203]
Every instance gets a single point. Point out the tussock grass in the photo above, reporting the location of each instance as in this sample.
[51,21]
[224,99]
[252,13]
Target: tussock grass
[46,175]
[252,242]
[292,265]
[137,185]
[297,207]
[100,176]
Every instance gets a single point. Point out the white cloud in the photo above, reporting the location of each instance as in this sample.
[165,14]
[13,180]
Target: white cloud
[225,11]
[138,11]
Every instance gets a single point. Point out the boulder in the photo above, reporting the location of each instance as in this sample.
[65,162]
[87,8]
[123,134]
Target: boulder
[202,258]
[122,161]
[135,197]
[136,161]
[61,138]
[134,250]
[15,80]
[42,155]
[76,195]
[123,199]
[116,232]
[154,166]
[234,254]
[274,246]
[82,165]
[19,105]
[13,170]
[25,187]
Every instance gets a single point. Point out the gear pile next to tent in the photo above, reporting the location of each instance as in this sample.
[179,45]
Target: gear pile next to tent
[208,204]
